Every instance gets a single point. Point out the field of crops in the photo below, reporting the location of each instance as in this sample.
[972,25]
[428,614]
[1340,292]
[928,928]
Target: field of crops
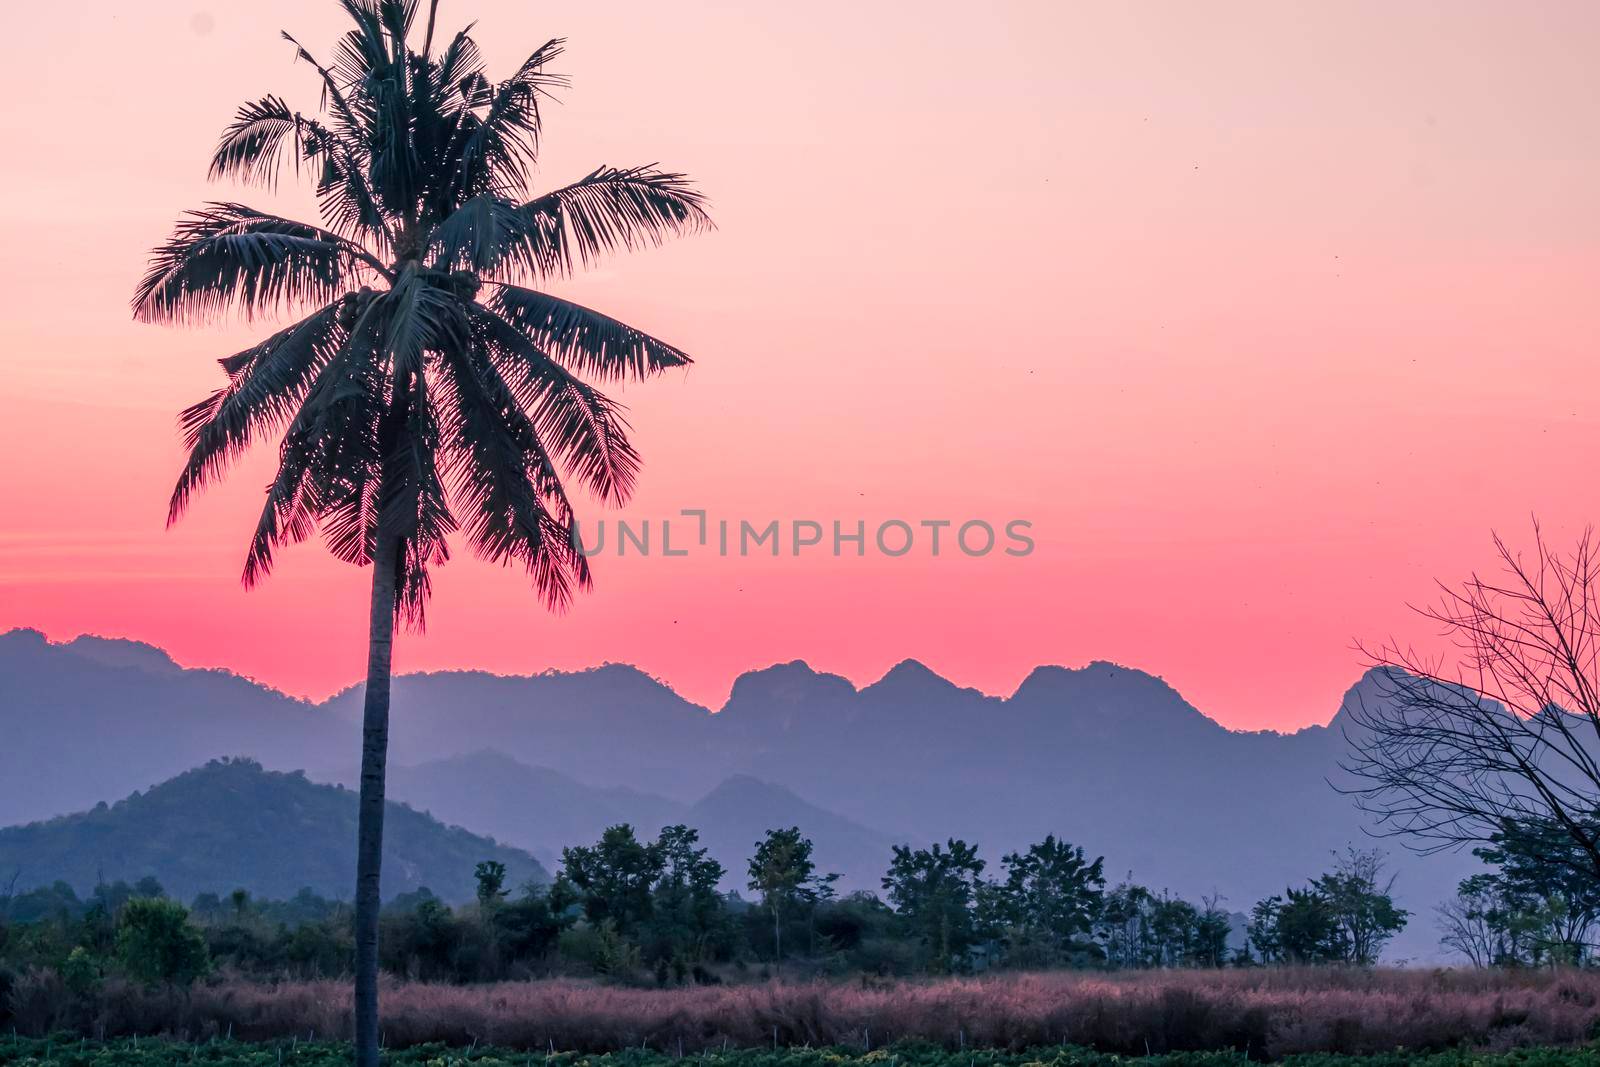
[64,1051]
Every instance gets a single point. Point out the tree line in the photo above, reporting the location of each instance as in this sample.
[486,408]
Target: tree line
[633,909]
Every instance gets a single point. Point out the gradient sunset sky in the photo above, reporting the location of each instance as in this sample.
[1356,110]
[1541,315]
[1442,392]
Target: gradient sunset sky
[1264,315]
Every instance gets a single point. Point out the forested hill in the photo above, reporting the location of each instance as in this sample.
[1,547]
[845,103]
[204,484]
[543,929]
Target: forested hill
[231,824]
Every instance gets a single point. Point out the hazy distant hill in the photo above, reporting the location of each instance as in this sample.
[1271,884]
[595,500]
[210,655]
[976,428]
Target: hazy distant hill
[1104,755]
[738,813]
[534,808]
[613,725]
[92,720]
[230,824]
[542,810]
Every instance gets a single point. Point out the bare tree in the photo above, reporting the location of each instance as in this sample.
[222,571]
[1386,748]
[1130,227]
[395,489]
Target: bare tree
[1503,732]
[1467,925]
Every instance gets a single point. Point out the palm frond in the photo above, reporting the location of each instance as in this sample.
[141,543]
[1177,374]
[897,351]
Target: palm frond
[333,96]
[330,459]
[582,339]
[345,194]
[293,503]
[289,514]
[612,209]
[501,474]
[349,465]
[413,505]
[397,17]
[420,314]
[572,226]
[482,234]
[378,41]
[372,64]
[268,382]
[362,53]
[252,147]
[232,255]
[499,149]
[581,426]
[460,62]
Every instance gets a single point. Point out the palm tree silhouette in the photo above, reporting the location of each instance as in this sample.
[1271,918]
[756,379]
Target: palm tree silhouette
[429,386]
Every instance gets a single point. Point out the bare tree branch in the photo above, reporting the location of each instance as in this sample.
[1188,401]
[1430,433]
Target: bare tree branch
[1448,752]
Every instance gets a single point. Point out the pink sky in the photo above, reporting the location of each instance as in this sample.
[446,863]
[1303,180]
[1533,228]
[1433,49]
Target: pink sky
[1263,315]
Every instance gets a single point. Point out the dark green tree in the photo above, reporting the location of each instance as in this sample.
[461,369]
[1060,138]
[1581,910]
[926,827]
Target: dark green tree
[687,913]
[1262,930]
[1125,926]
[652,902]
[421,937]
[1360,900]
[782,871]
[613,880]
[57,900]
[98,928]
[1139,928]
[1052,895]
[1307,928]
[428,382]
[933,890]
[1174,928]
[491,877]
[529,926]
[157,943]
[1212,926]
[844,924]
[1344,916]
[1548,902]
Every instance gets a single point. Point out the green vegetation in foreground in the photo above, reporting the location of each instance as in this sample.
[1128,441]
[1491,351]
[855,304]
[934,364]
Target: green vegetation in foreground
[67,1051]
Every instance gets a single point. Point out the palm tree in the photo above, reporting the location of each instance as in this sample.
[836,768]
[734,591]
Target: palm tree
[427,383]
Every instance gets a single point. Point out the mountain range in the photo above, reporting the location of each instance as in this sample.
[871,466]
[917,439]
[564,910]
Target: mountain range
[1107,756]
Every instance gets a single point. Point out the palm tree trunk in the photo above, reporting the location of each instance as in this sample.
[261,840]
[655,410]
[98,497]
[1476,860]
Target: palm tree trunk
[369,831]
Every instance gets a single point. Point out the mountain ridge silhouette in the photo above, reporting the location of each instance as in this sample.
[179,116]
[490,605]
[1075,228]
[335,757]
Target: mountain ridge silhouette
[1110,757]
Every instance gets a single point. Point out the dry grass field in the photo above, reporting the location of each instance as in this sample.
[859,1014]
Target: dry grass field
[1267,1013]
